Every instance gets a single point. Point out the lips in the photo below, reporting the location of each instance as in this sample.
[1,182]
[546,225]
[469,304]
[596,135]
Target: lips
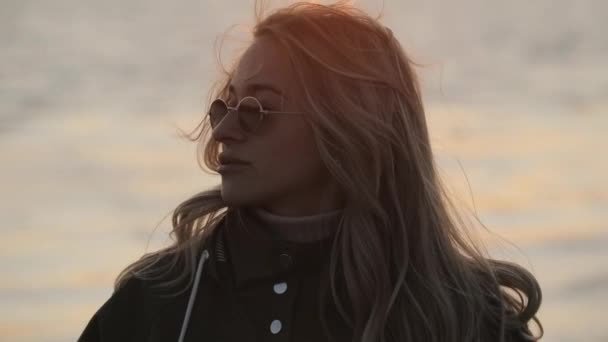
[230,168]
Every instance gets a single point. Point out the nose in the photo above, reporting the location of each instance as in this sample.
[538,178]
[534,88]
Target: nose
[228,129]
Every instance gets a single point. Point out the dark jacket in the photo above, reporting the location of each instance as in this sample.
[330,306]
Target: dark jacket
[251,287]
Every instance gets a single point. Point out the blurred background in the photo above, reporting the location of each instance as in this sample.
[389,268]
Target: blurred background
[91,93]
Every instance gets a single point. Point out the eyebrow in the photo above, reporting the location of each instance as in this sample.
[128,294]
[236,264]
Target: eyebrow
[255,87]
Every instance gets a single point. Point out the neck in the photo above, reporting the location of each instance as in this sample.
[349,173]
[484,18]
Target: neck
[314,200]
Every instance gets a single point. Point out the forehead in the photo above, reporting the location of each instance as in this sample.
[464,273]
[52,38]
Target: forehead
[264,62]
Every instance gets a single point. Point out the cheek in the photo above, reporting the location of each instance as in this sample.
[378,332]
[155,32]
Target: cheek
[285,161]
[291,161]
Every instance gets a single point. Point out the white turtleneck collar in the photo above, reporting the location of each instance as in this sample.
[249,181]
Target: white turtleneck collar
[302,228]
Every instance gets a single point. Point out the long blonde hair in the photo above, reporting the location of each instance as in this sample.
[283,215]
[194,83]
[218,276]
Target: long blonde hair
[409,273]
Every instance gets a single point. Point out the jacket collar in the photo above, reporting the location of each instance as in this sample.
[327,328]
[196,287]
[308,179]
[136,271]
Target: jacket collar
[255,253]
[214,244]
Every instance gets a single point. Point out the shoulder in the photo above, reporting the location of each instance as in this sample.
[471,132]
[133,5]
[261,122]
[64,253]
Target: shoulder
[126,315]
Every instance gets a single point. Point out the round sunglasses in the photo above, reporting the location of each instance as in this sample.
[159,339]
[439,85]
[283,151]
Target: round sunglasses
[249,111]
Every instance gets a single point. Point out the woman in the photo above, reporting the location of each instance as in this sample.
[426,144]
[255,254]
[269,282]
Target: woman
[330,223]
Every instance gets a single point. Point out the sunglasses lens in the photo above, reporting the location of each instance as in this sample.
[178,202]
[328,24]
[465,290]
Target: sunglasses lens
[250,114]
[217,111]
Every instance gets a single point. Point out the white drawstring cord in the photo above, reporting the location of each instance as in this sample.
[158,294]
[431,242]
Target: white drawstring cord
[199,270]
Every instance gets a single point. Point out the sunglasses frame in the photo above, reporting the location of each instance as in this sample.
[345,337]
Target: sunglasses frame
[263,112]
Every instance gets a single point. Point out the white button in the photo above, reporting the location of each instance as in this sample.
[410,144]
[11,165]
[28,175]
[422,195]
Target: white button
[275,326]
[280,287]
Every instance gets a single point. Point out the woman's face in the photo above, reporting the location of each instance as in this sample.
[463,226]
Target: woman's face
[285,175]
